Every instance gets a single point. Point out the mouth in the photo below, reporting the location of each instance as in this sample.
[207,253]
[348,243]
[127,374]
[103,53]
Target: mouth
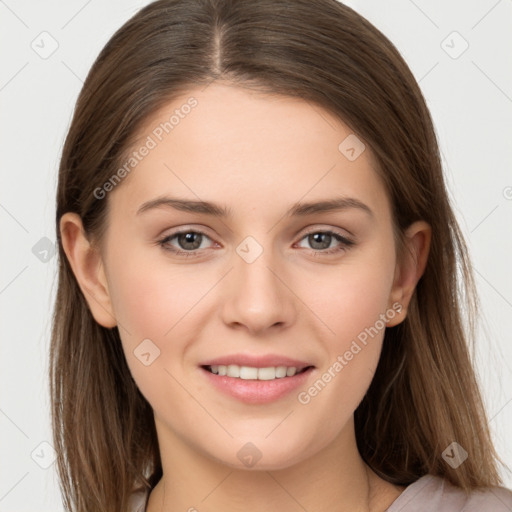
[257,384]
[255,373]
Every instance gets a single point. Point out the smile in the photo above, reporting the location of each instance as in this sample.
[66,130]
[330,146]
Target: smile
[253,373]
[252,385]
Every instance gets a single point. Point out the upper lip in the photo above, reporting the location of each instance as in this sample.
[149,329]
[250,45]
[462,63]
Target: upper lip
[263,361]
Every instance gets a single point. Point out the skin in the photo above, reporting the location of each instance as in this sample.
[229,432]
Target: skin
[258,155]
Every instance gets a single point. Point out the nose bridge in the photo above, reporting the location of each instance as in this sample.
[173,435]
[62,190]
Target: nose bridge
[257,297]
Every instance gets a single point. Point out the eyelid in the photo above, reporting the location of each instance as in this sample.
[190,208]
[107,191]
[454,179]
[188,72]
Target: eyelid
[325,228]
[199,228]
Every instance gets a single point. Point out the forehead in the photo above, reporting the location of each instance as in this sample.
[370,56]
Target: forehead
[236,146]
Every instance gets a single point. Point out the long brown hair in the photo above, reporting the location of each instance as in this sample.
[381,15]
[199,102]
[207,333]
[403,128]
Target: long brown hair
[424,394]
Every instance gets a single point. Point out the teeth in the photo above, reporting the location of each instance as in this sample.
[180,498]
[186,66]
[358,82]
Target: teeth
[233,371]
[248,373]
[251,373]
[290,372]
[281,372]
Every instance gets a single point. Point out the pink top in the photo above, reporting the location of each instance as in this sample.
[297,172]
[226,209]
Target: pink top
[434,494]
[428,494]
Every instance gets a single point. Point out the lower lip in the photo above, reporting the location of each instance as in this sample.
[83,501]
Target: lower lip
[257,391]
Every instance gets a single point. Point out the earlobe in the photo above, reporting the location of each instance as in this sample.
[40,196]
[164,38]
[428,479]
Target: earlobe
[410,268]
[87,266]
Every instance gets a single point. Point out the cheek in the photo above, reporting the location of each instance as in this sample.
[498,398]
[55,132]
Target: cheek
[149,298]
[352,303]
[151,303]
[350,298]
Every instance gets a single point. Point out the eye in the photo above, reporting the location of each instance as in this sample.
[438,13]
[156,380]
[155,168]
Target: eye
[320,241]
[189,240]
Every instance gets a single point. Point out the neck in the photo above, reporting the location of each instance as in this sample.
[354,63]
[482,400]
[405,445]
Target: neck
[335,479]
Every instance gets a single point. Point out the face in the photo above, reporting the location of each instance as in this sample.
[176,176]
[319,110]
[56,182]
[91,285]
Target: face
[269,283]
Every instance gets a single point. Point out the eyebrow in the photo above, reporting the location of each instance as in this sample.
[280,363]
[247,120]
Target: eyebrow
[297,210]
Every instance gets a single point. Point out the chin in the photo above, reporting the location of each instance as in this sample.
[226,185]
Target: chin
[260,453]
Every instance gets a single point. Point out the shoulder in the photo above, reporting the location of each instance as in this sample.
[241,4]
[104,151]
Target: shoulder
[434,494]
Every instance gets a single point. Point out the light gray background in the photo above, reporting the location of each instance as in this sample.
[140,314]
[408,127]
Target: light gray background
[469,95]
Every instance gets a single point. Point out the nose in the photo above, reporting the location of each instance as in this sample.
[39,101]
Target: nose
[258,295]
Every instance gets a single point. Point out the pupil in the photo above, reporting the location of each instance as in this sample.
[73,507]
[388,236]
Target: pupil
[319,236]
[187,240]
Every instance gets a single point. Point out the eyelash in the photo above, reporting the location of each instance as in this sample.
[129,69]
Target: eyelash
[345,243]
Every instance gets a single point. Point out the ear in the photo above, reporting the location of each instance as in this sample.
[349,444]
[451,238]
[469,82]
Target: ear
[410,267]
[87,265]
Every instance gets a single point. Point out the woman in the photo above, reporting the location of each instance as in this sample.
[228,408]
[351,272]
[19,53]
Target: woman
[258,303]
